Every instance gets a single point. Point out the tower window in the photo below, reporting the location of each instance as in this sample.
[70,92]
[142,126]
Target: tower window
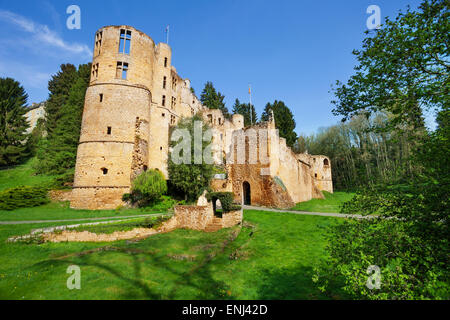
[124,41]
[315,175]
[95,70]
[163,114]
[122,70]
[325,162]
[165,62]
[174,102]
[109,130]
[163,102]
[164,82]
[101,97]
[105,171]
[98,42]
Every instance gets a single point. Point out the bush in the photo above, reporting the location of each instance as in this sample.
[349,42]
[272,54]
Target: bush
[147,188]
[23,197]
[226,199]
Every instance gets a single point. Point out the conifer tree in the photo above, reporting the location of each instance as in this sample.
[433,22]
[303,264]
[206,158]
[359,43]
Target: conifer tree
[284,120]
[13,123]
[213,99]
[249,113]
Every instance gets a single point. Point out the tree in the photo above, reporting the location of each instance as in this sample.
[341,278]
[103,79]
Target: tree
[13,123]
[402,69]
[190,178]
[147,188]
[247,110]
[213,99]
[58,86]
[57,153]
[284,120]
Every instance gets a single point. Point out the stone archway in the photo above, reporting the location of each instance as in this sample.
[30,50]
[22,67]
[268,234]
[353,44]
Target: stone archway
[246,194]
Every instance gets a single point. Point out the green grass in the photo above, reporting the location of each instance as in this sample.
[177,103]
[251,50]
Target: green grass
[61,211]
[271,257]
[331,204]
[22,175]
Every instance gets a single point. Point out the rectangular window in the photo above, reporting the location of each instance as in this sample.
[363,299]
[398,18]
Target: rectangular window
[125,41]
[109,130]
[98,42]
[95,70]
[101,97]
[122,70]
[174,83]
[163,101]
[174,102]
[165,62]
[164,82]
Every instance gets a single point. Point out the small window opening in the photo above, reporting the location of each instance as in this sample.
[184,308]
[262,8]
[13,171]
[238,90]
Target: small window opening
[101,97]
[163,114]
[95,70]
[163,101]
[315,175]
[325,162]
[122,70]
[160,148]
[164,82]
[105,171]
[165,62]
[145,168]
[109,130]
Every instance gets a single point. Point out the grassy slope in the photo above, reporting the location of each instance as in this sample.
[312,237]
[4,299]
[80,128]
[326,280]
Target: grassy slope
[275,261]
[22,175]
[332,203]
[61,211]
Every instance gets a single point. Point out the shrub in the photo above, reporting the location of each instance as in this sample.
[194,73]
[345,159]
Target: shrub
[147,188]
[226,199]
[22,197]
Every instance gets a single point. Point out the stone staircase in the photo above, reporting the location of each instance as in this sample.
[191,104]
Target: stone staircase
[214,225]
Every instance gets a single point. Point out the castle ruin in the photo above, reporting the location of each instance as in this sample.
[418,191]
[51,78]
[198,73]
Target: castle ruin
[135,96]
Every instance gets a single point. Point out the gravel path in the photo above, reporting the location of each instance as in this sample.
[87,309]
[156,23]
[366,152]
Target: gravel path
[324,214]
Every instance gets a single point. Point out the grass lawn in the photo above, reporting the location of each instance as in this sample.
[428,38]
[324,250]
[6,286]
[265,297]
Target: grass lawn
[22,175]
[61,211]
[271,257]
[331,204]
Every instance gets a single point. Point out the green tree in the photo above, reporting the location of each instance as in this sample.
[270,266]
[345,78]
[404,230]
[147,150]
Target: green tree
[57,153]
[213,99]
[147,188]
[13,123]
[284,120]
[58,86]
[190,178]
[403,69]
[247,110]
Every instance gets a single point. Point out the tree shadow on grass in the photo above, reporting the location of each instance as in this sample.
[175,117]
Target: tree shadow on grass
[197,282]
[291,284]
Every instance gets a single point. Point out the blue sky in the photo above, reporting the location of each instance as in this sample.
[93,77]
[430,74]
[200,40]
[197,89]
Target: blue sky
[288,50]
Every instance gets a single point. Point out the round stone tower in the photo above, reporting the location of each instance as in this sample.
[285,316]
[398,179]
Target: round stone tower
[115,130]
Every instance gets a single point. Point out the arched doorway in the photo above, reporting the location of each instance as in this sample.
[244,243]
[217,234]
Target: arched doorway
[246,193]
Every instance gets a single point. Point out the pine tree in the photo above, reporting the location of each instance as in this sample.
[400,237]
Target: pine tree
[57,153]
[247,110]
[59,87]
[213,99]
[284,120]
[13,123]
